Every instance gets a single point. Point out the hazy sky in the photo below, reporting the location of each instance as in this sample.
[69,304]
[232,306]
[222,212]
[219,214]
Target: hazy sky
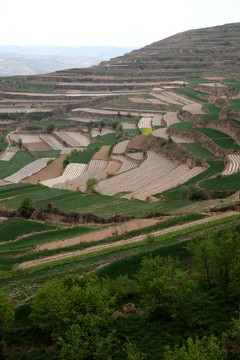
[107,22]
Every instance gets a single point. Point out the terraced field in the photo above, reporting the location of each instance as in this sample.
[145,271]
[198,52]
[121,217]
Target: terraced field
[126,163]
[71,173]
[121,147]
[8,155]
[151,170]
[233,164]
[186,82]
[52,142]
[28,170]
[73,138]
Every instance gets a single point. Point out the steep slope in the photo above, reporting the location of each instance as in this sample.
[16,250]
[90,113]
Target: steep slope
[214,49]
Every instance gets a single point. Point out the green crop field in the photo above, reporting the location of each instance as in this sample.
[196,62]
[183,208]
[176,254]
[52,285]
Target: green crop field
[47,91]
[231,182]
[236,105]
[47,153]
[191,95]
[185,125]
[129,133]
[198,150]
[18,189]
[108,139]
[20,159]
[195,91]
[46,123]
[198,80]
[107,206]
[101,205]
[85,156]
[14,228]
[214,112]
[3,146]
[40,197]
[235,121]
[211,133]
[228,143]
[28,243]
[146,131]
[147,96]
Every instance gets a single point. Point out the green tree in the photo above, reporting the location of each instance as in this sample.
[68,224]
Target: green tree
[205,349]
[49,128]
[77,311]
[185,192]
[216,258]
[87,339]
[232,337]
[6,319]
[132,351]
[91,183]
[25,207]
[167,290]
[20,143]
[48,307]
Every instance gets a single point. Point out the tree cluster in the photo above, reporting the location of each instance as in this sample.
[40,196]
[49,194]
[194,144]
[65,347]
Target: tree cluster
[77,312]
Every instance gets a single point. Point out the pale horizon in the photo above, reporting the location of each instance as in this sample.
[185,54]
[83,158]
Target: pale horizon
[106,23]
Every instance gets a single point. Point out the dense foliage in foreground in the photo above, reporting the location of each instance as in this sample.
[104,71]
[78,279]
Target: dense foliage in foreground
[170,309]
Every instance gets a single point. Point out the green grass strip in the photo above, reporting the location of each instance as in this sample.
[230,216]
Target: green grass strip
[198,150]
[230,182]
[14,228]
[166,238]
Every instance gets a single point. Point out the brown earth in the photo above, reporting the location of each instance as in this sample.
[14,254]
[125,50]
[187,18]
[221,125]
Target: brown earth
[41,146]
[138,100]
[137,143]
[102,154]
[53,170]
[102,234]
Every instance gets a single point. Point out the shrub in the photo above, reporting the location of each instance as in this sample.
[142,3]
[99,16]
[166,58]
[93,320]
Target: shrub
[25,208]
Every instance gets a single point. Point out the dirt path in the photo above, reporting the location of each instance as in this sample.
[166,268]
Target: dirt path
[121,242]
[53,170]
[102,154]
[101,234]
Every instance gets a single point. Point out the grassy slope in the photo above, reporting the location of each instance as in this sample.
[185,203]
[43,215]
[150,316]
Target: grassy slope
[19,160]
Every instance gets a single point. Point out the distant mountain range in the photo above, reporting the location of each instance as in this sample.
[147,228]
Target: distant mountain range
[29,60]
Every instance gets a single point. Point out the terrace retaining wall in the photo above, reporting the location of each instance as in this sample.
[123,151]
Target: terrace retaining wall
[202,140]
[210,90]
[226,126]
[229,113]
[172,151]
[187,116]
[53,215]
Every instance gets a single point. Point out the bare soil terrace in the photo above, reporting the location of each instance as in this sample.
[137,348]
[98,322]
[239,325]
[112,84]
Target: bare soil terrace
[53,170]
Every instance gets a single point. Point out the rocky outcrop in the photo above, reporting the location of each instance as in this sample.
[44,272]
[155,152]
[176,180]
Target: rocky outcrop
[138,143]
[220,102]
[172,151]
[187,116]
[229,113]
